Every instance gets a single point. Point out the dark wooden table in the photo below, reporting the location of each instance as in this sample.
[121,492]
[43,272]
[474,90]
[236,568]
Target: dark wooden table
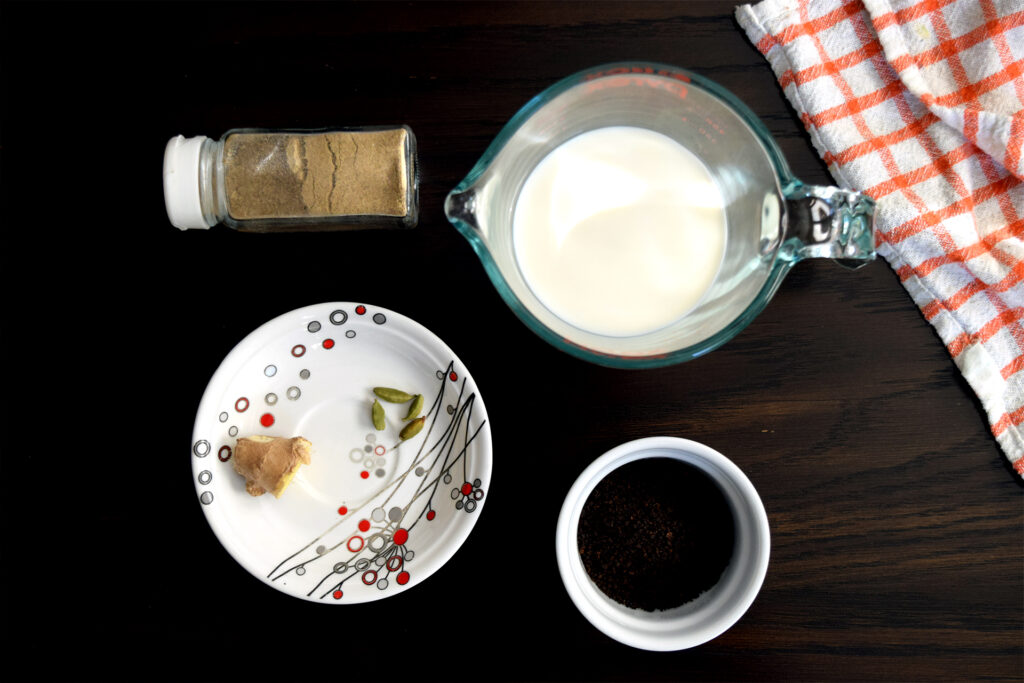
[897,528]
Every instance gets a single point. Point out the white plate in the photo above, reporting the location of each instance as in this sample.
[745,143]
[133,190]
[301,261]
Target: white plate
[368,518]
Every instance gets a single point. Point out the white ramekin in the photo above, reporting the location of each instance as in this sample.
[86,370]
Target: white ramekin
[713,612]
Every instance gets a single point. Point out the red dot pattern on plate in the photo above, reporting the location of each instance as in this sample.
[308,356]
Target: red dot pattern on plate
[364,525]
[361,310]
[431,515]
[337,595]
[402,578]
[452,376]
[343,511]
[467,489]
[364,474]
[328,343]
[224,454]
[242,404]
[400,537]
[298,350]
[266,419]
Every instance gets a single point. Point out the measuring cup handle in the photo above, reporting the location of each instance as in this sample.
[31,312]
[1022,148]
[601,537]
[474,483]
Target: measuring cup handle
[830,222]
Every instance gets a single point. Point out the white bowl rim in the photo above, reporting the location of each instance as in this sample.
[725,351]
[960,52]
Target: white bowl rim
[709,615]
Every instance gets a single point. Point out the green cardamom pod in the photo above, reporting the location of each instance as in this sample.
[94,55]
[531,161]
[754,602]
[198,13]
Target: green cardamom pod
[392,395]
[415,408]
[412,429]
[378,416]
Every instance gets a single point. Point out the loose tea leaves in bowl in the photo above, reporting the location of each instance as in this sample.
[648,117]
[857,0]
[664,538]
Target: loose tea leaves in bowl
[655,533]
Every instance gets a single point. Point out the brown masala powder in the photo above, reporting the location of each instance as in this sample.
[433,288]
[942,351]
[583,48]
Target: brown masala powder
[297,175]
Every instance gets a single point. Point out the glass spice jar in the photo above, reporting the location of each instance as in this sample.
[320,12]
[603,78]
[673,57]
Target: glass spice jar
[260,180]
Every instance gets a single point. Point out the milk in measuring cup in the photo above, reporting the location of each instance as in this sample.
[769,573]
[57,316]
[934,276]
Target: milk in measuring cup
[619,231]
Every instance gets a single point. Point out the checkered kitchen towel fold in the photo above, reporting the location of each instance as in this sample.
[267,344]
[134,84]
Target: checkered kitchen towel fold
[920,104]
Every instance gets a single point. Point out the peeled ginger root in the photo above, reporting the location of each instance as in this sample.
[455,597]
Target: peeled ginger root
[269,463]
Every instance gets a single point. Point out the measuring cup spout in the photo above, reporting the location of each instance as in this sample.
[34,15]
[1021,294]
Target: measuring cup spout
[830,222]
[460,207]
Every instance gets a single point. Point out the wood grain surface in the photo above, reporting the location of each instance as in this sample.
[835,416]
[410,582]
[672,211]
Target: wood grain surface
[897,526]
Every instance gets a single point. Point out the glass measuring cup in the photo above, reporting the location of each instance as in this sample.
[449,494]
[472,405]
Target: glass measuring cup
[773,220]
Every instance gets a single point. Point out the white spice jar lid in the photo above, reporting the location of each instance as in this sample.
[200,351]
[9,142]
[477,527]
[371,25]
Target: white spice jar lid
[181,182]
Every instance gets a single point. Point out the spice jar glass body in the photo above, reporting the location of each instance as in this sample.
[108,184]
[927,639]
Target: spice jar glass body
[261,180]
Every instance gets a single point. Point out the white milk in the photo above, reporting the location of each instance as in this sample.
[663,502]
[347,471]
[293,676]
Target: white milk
[619,231]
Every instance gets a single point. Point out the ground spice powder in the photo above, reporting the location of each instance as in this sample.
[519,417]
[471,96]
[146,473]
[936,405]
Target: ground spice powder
[307,175]
[655,534]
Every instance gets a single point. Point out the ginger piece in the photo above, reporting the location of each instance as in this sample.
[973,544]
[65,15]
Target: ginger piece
[269,463]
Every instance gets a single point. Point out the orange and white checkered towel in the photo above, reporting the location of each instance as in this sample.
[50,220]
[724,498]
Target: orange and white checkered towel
[920,104]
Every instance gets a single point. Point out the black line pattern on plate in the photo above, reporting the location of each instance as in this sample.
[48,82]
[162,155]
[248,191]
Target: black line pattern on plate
[381,546]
